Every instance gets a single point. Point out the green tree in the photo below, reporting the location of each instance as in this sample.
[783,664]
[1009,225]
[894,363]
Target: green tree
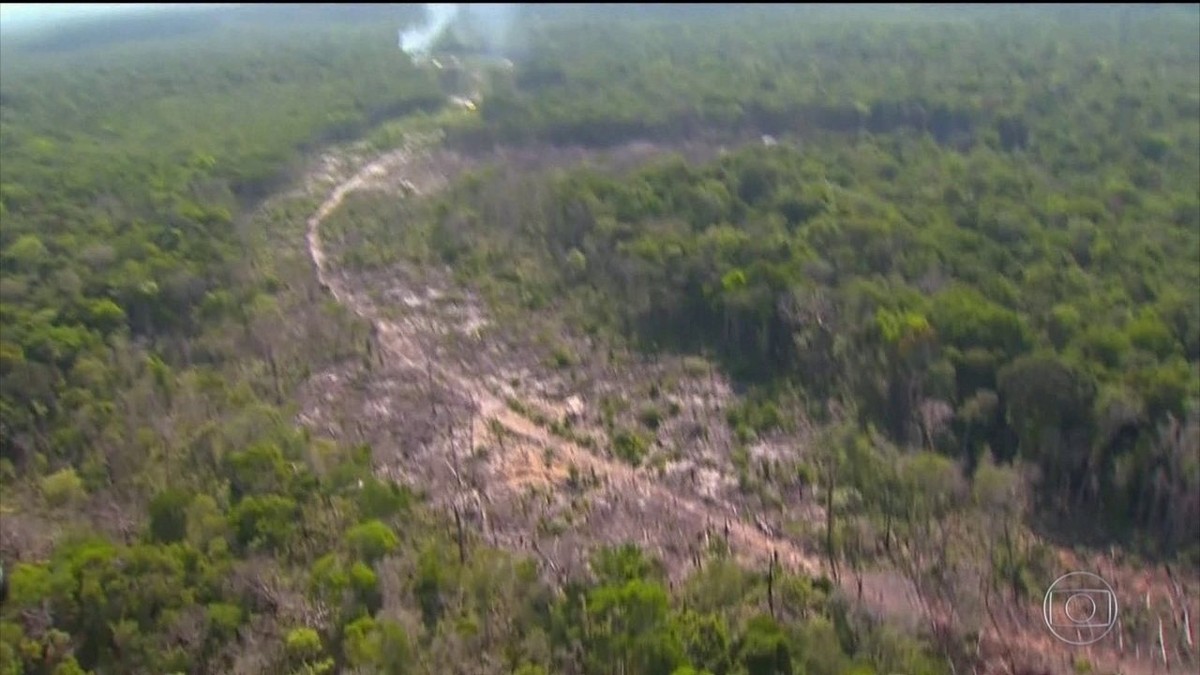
[631,626]
[63,488]
[764,649]
[168,516]
[1049,403]
[371,540]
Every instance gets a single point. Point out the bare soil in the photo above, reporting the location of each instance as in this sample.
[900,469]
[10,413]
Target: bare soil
[442,401]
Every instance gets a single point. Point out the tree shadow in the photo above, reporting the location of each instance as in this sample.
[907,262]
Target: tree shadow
[1091,529]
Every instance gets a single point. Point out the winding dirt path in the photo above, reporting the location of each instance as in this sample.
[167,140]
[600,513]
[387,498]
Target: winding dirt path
[746,540]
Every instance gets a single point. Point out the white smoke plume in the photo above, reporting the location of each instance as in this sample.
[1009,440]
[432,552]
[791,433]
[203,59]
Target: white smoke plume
[417,41]
[487,26]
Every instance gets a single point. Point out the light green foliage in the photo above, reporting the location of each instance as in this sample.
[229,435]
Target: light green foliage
[69,666]
[1150,333]
[638,627]
[379,644]
[576,262]
[372,540]
[365,583]
[224,619]
[303,644]
[360,648]
[27,253]
[706,641]
[966,319]
[63,488]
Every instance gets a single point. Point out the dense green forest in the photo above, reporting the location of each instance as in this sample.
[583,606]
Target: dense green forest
[956,73]
[980,231]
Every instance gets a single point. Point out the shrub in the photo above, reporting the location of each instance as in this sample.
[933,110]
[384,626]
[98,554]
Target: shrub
[63,487]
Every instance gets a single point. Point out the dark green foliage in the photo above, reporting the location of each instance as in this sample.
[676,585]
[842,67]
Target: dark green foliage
[623,564]
[764,649]
[168,516]
[378,499]
[263,523]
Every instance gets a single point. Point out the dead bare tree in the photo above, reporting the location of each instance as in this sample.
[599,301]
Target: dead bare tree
[461,536]
[771,582]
